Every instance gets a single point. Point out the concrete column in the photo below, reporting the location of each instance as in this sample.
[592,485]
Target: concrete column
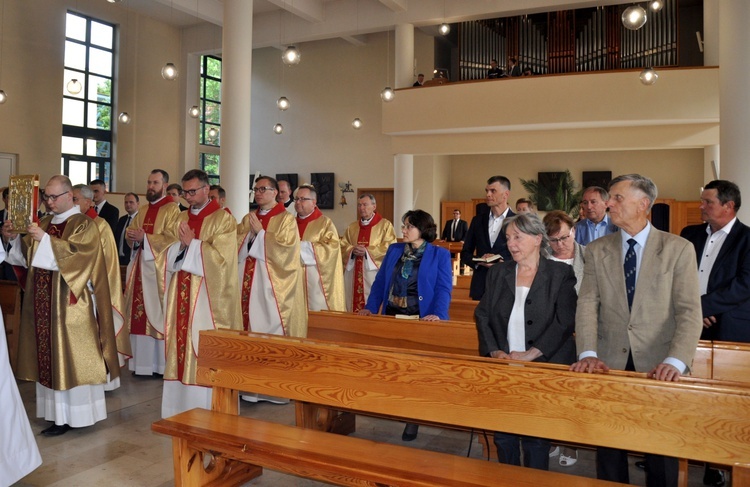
[403,188]
[710,32]
[404,56]
[711,161]
[237,56]
[734,35]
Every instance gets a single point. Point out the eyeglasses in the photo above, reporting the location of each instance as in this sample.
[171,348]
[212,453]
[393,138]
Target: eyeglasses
[263,189]
[408,226]
[300,198]
[191,192]
[561,239]
[52,197]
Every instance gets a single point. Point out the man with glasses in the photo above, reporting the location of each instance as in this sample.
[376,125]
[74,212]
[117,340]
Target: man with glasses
[202,291]
[272,287]
[66,339]
[363,248]
[150,234]
[321,253]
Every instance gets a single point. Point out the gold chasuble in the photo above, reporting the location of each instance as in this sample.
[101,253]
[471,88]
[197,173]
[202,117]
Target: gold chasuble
[146,278]
[112,263]
[67,337]
[203,294]
[324,271]
[359,273]
[271,275]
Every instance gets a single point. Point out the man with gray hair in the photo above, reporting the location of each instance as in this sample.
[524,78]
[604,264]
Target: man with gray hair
[648,319]
[596,222]
[363,247]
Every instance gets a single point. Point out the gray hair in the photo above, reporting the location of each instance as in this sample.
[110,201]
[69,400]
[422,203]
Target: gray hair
[85,190]
[641,183]
[310,188]
[603,193]
[530,224]
[368,195]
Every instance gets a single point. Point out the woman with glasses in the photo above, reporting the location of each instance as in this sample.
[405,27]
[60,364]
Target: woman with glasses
[527,313]
[562,238]
[415,279]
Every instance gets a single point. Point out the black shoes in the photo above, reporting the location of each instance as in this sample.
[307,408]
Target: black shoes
[714,477]
[56,430]
[410,432]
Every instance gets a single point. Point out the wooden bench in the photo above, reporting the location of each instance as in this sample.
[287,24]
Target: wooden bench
[692,419]
[10,302]
[462,310]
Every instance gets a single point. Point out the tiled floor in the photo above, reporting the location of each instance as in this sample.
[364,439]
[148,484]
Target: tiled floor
[123,451]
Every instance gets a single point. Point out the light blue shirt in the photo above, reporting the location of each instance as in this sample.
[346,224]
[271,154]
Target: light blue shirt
[588,231]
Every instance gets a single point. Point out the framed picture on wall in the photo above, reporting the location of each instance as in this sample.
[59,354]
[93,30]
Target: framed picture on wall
[596,178]
[324,186]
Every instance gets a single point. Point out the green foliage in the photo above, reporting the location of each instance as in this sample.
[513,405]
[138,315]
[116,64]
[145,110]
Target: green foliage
[564,196]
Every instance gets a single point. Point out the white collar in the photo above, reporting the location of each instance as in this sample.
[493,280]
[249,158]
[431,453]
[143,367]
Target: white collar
[60,218]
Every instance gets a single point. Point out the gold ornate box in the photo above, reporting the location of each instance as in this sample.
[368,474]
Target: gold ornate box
[23,201]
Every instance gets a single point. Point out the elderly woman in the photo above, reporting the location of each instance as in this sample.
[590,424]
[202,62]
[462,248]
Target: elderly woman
[527,313]
[562,238]
[414,279]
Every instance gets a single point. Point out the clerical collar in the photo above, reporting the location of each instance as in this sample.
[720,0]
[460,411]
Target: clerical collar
[155,202]
[367,221]
[61,217]
[265,212]
[195,211]
[305,217]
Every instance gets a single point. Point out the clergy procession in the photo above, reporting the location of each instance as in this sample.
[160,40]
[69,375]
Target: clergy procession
[198,269]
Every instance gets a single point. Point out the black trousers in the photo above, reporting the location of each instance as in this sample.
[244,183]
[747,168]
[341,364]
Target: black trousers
[612,463]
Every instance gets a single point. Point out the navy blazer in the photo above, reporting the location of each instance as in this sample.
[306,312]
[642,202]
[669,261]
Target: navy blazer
[477,243]
[549,311]
[434,281]
[461,228]
[728,294]
[111,214]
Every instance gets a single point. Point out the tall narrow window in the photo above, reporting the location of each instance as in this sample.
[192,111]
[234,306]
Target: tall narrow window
[210,133]
[87,114]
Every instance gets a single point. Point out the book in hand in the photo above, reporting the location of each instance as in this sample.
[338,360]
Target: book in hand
[492,258]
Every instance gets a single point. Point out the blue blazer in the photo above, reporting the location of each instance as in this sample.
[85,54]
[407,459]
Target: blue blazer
[728,294]
[434,281]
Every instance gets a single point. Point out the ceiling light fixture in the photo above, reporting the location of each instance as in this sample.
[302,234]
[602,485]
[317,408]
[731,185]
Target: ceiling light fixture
[278,129]
[74,86]
[634,17]
[655,5]
[387,94]
[648,76]
[283,103]
[124,118]
[357,124]
[291,56]
[194,111]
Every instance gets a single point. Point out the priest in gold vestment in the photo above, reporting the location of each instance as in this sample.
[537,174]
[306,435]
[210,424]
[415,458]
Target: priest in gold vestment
[320,252]
[83,197]
[202,291]
[270,271]
[66,340]
[363,247]
[150,234]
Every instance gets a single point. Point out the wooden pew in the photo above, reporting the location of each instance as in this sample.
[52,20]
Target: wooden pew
[692,419]
[460,293]
[462,310]
[731,361]
[10,302]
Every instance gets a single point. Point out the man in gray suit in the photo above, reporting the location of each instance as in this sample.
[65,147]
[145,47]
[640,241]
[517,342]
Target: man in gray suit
[639,309]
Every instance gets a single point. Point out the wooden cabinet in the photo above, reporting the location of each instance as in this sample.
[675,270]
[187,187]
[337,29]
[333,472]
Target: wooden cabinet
[679,213]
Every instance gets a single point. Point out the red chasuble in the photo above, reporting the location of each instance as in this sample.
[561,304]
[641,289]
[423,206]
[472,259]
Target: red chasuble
[138,317]
[91,213]
[247,274]
[363,238]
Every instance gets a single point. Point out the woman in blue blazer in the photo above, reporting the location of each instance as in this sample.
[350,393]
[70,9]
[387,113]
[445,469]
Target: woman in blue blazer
[415,277]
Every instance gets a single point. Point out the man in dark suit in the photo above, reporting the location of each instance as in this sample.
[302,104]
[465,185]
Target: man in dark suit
[486,237]
[455,229]
[638,309]
[722,245]
[175,190]
[131,208]
[108,212]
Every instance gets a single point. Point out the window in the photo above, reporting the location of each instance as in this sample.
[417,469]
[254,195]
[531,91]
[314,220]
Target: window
[87,115]
[210,126]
